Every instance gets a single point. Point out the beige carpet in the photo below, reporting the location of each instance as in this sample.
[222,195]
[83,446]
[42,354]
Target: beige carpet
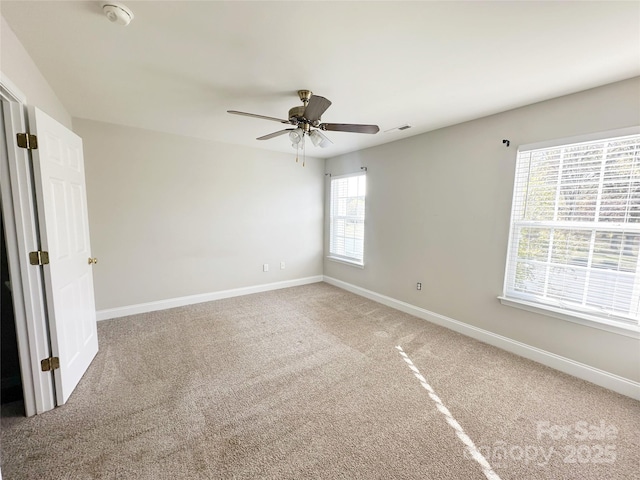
[307,382]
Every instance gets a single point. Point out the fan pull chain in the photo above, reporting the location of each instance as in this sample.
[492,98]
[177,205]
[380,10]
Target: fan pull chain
[304,152]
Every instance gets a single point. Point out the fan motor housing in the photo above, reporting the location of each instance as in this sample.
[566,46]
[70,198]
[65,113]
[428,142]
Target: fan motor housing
[296,112]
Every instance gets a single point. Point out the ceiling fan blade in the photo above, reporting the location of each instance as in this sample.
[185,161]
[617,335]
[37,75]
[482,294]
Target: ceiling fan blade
[275,134]
[350,127]
[234,112]
[316,107]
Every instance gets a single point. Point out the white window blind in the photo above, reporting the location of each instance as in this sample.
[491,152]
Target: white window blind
[575,229]
[346,237]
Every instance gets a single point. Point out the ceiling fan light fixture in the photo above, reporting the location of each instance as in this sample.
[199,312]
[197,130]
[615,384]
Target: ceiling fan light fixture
[319,139]
[296,136]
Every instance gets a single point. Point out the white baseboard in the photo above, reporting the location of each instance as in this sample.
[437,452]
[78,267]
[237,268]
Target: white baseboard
[110,313]
[604,379]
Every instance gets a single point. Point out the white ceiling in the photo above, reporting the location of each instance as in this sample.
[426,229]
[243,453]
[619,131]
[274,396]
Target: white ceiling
[180,65]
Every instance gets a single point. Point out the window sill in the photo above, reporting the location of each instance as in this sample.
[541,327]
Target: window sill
[352,263]
[574,317]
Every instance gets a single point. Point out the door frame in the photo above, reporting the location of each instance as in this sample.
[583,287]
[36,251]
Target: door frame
[21,230]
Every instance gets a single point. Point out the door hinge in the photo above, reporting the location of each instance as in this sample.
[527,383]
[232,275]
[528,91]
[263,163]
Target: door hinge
[50,364]
[28,141]
[39,258]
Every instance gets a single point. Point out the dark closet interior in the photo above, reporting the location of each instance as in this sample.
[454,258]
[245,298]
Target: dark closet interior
[11,388]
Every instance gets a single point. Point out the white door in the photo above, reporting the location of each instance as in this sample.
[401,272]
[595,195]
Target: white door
[64,233]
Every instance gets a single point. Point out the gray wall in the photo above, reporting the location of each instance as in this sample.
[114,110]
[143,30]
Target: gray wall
[19,68]
[438,210]
[172,216]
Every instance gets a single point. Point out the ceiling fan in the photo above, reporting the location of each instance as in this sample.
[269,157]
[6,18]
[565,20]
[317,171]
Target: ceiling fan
[306,119]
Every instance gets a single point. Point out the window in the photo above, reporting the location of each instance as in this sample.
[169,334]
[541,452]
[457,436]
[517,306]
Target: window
[575,230]
[346,236]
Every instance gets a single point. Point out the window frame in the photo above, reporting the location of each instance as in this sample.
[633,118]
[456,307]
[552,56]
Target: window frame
[336,257]
[530,303]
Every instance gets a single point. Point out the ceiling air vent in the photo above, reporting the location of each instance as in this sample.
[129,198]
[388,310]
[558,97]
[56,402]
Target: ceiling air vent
[406,126]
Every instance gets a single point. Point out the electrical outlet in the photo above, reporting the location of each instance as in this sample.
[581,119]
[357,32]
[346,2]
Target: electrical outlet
[265,267]
[281,265]
[419,286]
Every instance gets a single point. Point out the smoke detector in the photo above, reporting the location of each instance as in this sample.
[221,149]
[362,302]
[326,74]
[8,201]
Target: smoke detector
[117,13]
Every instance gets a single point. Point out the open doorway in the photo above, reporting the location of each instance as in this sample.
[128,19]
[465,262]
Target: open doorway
[52,359]
[23,326]
[11,383]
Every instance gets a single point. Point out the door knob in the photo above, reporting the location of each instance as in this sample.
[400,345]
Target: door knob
[93,260]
